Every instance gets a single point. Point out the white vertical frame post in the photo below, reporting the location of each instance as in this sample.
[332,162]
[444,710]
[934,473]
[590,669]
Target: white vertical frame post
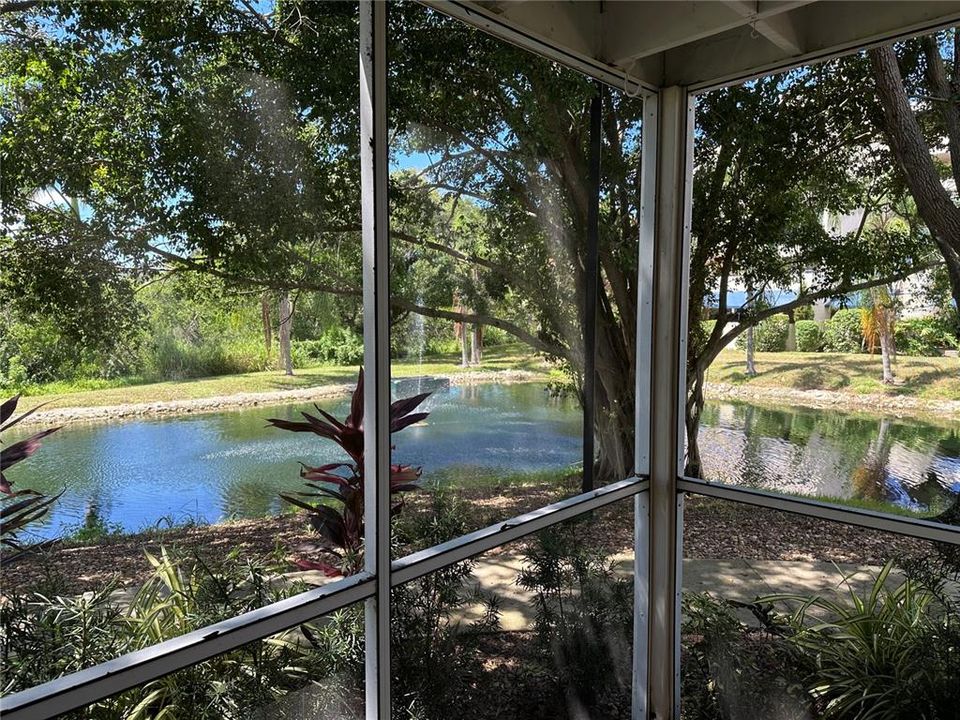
[642,419]
[670,250]
[374,169]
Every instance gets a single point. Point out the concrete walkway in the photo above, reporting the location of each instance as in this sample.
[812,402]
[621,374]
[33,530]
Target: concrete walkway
[736,579]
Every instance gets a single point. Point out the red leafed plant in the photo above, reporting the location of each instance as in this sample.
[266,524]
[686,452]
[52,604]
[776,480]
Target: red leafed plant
[335,499]
[19,508]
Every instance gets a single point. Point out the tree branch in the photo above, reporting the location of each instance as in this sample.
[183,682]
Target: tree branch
[806,299]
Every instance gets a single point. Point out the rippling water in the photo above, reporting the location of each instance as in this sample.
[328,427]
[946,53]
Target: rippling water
[209,467]
[833,454]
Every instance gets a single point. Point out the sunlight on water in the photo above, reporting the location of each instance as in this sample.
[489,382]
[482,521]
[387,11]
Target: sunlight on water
[211,467]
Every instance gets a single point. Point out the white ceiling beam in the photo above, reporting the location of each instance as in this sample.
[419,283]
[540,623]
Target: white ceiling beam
[574,25]
[827,29]
[779,29]
[633,30]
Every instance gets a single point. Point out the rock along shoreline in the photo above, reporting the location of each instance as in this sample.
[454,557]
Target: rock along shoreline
[895,405]
[60,416]
[818,399]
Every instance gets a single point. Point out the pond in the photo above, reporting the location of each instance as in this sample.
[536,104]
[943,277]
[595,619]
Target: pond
[137,474]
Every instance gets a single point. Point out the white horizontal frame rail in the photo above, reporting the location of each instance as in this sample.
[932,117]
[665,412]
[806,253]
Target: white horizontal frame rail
[128,671]
[911,527]
[440,556]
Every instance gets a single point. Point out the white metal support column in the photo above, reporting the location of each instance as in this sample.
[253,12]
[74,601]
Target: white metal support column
[374,170]
[641,463]
[671,234]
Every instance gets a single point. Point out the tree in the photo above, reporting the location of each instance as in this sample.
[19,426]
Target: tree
[203,138]
[286,327]
[933,84]
[877,319]
[772,158]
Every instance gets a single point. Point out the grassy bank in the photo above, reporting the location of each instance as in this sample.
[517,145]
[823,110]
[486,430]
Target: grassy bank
[132,390]
[858,375]
[921,377]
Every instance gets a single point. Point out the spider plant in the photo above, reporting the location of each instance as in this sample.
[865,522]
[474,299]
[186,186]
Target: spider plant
[891,651]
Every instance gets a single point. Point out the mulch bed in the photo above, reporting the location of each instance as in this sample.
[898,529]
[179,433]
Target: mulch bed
[712,529]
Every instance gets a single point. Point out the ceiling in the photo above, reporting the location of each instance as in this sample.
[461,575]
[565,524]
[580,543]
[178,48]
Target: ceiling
[697,43]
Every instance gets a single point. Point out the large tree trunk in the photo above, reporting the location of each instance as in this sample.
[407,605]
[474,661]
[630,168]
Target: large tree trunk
[614,423]
[267,325]
[913,155]
[751,363]
[286,325]
[476,345]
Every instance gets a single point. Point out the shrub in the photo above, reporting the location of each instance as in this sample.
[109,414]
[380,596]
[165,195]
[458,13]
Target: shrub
[584,616]
[843,333]
[436,655]
[340,525]
[769,335]
[168,357]
[927,336]
[891,652]
[337,345]
[731,670]
[808,336]
[45,636]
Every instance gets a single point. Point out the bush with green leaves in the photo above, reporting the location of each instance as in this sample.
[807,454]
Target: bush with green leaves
[843,332]
[435,654]
[47,633]
[769,335]
[926,336]
[338,345]
[584,619]
[808,336]
[733,670]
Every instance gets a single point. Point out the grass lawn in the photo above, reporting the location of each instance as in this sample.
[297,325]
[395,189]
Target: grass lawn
[927,378]
[135,390]
[933,378]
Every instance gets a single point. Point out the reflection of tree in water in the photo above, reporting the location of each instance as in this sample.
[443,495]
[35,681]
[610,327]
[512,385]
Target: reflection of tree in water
[830,453]
[869,478]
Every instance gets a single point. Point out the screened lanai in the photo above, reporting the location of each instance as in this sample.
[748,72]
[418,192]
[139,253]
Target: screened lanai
[660,56]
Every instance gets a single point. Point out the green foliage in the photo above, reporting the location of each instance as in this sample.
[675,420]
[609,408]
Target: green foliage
[93,531]
[808,336]
[434,653]
[46,635]
[926,336]
[730,670]
[843,333]
[337,345]
[197,327]
[584,616]
[889,653]
[769,335]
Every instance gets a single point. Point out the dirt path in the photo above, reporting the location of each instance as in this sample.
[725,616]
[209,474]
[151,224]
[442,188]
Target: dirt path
[712,530]
[194,406]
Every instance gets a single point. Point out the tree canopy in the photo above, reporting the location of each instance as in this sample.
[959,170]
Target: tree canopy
[217,138]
